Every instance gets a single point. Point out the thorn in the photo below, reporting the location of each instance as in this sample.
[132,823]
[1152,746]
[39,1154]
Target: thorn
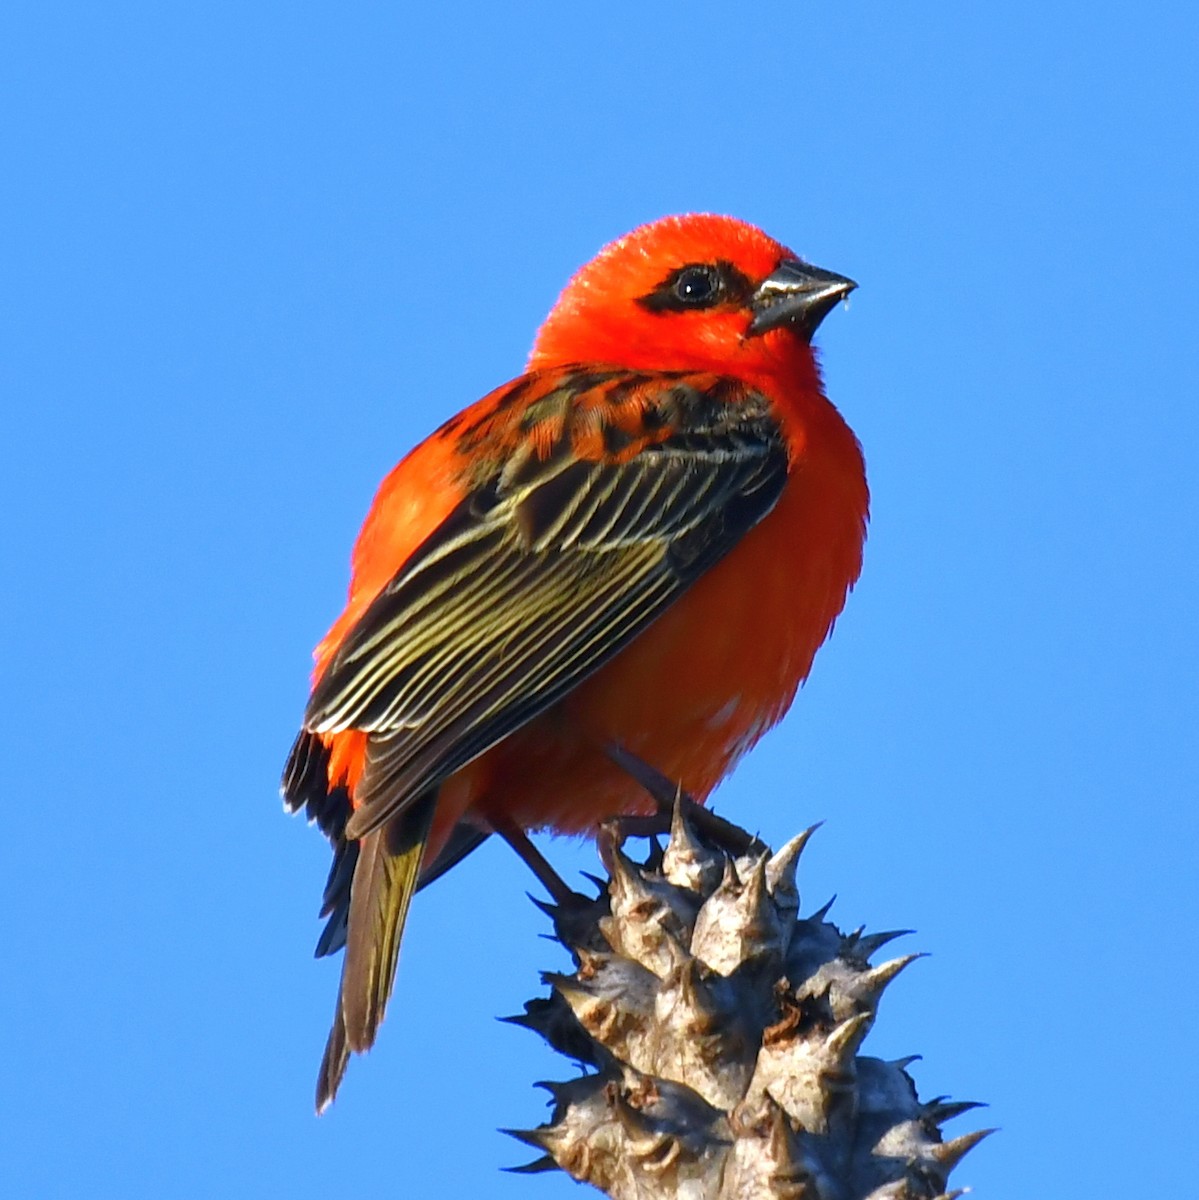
[626,877]
[536,1167]
[756,895]
[704,1014]
[731,880]
[867,944]
[632,1120]
[682,835]
[595,881]
[782,869]
[844,1041]
[943,1109]
[546,906]
[878,978]
[555,1089]
[821,913]
[592,960]
[572,989]
[759,914]
[608,839]
[537,1138]
[539,1025]
[537,1016]
[902,1064]
[523,1020]
[688,862]
[949,1154]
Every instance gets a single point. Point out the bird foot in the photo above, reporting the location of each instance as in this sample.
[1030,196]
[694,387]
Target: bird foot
[668,796]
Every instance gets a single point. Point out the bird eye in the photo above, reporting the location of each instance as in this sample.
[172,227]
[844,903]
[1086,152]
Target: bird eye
[697,286]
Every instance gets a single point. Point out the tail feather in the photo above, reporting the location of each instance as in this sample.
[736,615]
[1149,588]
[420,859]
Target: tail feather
[333,1064]
[385,879]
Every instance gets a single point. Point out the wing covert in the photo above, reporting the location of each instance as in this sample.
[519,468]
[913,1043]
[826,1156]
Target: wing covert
[605,496]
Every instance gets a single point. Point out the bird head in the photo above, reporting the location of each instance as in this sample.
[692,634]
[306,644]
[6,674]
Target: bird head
[696,292]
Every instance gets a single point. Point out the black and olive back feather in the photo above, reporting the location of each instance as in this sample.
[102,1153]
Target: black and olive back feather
[566,548]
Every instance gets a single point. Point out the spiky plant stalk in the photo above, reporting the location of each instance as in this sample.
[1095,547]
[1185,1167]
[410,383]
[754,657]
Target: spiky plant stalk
[723,1032]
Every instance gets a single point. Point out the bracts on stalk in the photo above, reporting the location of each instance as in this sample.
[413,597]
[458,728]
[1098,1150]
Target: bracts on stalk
[722,1032]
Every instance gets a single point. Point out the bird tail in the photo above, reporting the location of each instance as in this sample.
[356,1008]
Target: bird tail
[385,879]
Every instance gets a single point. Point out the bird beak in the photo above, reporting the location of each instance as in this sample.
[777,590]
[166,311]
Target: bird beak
[797,295]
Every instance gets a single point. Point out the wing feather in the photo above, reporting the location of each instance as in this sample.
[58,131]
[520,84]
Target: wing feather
[555,560]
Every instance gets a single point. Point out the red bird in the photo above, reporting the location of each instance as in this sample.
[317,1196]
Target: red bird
[630,552]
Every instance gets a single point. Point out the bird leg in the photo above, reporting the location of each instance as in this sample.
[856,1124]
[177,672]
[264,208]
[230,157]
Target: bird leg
[574,915]
[666,794]
[553,883]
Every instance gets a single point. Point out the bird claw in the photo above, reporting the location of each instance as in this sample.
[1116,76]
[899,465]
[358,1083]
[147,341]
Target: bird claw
[668,795]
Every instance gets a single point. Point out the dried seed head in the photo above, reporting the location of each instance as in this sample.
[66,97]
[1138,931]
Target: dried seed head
[726,1039]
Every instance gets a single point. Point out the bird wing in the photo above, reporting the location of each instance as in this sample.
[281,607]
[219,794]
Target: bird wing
[306,786]
[594,499]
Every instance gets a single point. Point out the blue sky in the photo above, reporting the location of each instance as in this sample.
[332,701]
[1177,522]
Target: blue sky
[253,251]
